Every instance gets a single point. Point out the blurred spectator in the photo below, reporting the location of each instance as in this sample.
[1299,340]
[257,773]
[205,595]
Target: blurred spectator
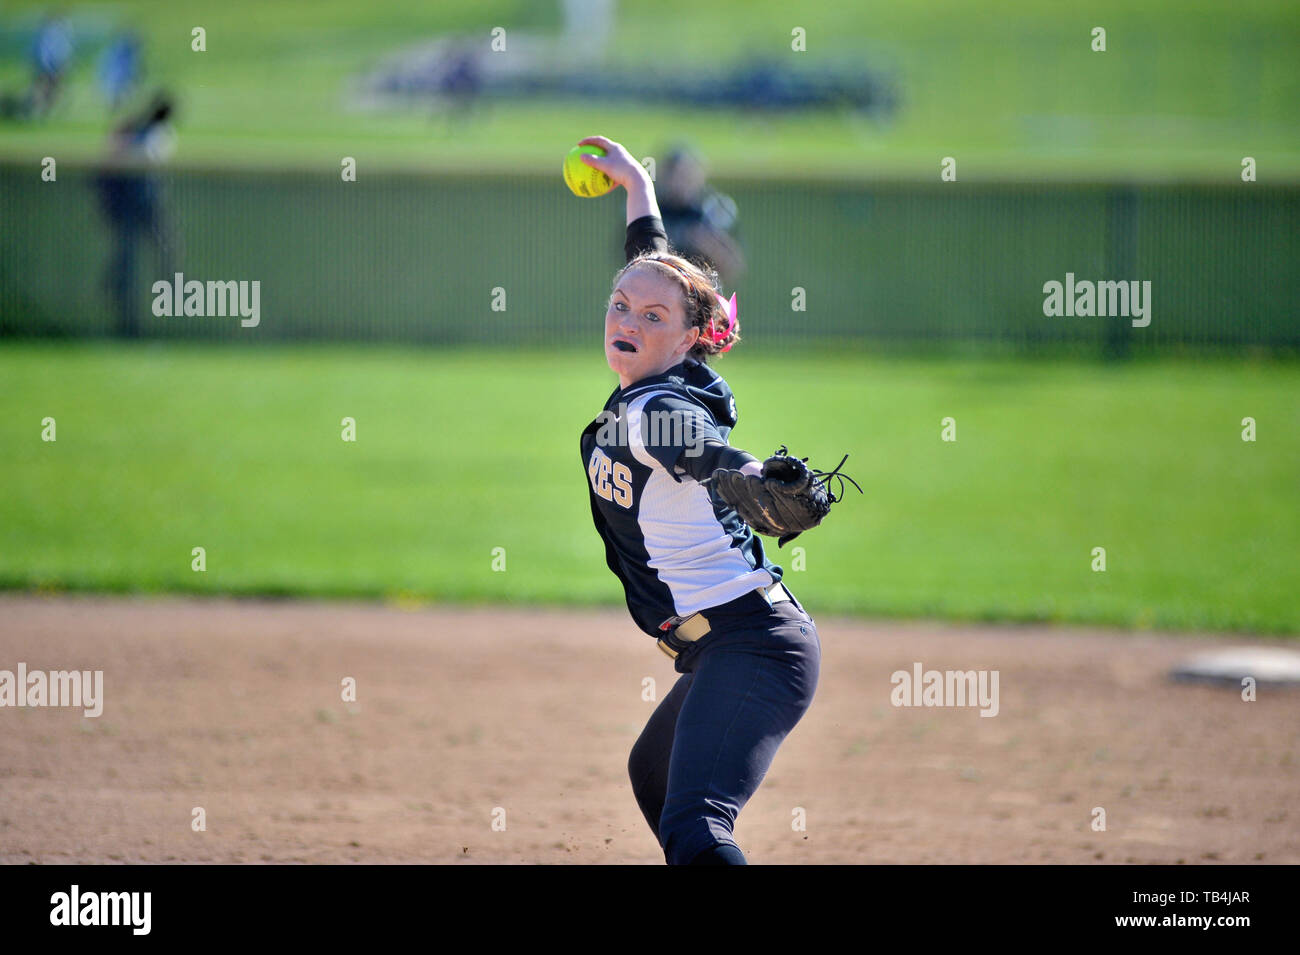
[460,83]
[51,53]
[130,196]
[699,220]
[119,69]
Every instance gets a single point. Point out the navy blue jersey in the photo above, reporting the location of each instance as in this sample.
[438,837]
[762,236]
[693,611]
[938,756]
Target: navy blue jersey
[676,547]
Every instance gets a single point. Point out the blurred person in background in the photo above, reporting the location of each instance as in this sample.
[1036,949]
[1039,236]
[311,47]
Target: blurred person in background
[699,220]
[460,84]
[130,196]
[119,69]
[51,53]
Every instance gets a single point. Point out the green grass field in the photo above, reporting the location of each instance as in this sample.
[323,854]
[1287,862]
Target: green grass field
[162,448]
[1185,88]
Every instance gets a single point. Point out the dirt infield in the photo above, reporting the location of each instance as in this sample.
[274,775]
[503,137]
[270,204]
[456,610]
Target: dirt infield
[235,707]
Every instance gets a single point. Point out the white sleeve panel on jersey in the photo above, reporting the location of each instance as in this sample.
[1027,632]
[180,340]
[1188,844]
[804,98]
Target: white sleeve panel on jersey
[635,438]
[661,432]
[688,547]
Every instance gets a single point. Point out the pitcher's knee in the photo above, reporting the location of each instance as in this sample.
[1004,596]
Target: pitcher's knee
[640,769]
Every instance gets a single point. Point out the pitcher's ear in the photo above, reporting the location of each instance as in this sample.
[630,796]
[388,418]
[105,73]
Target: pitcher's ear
[691,342]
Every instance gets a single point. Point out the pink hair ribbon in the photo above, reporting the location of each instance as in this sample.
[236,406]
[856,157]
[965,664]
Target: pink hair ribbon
[730,308]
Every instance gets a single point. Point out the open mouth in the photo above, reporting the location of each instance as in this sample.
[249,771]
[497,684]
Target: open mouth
[624,345]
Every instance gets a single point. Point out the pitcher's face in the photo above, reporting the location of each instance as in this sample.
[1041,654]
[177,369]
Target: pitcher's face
[645,326]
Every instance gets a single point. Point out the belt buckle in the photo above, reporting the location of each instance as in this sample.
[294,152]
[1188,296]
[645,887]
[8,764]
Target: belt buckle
[666,628]
[670,624]
[672,644]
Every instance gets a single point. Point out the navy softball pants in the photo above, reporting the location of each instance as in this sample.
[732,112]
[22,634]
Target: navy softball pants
[710,741]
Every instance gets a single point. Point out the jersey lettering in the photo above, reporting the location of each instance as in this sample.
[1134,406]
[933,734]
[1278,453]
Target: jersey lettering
[601,470]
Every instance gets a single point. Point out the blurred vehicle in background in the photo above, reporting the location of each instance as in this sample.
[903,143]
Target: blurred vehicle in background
[546,68]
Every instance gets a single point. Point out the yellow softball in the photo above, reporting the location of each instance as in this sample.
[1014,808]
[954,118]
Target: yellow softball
[582,179]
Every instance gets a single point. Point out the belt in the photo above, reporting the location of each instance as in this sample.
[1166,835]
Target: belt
[679,632]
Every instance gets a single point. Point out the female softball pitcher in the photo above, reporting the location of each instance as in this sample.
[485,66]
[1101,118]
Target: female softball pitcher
[677,508]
